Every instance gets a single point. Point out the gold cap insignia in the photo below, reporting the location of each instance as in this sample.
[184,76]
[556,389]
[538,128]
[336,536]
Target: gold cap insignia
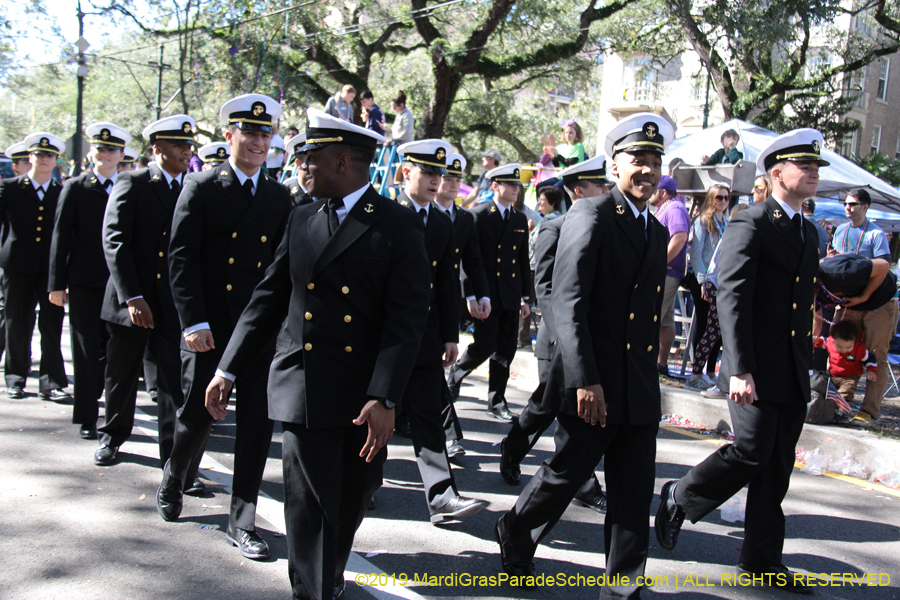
[457,165]
[44,142]
[815,146]
[440,154]
[620,209]
[258,109]
[220,152]
[186,127]
[516,174]
[104,134]
[778,214]
[650,130]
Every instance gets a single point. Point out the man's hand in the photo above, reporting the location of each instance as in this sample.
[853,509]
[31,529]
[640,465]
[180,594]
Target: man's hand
[217,397]
[591,405]
[474,309]
[704,158]
[742,389]
[871,376]
[381,427]
[451,351]
[140,312]
[58,297]
[831,251]
[200,340]
[485,304]
[852,301]
[524,311]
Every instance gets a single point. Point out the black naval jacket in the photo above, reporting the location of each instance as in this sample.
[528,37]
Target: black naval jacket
[27,224]
[222,242]
[504,250]
[607,296]
[472,276]
[349,310]
[136,230]
[545,248]
[767,280]
[298,196]
[443,312]
[76,252]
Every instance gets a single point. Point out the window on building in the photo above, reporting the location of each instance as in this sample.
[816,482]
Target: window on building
[646,84]
[858,88]
[849,144]
[883,78]
[876,140]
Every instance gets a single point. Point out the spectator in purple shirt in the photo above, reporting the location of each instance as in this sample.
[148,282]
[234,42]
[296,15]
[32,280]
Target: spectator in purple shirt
[672,213]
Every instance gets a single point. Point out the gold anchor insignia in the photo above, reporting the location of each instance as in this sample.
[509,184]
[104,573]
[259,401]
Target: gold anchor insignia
[457,165]
[258,109]
[650,130]
[516,174]
[440,154]
[186,127]
[620,209]
[815,146]
[778,214]
[155,178]
[223,173]
[45,142]
[294,189]
[369,208]
[104,134]
[493,209]
[220,152]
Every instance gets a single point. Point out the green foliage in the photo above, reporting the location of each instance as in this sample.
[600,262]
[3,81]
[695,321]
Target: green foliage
[881,166]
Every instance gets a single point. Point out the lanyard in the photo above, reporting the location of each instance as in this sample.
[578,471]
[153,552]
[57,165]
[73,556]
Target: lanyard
[845,245]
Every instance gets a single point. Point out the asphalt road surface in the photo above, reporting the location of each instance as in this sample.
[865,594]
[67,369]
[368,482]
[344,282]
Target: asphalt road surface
[72,530]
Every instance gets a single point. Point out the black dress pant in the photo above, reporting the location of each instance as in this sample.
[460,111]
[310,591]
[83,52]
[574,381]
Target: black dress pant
[452,427]
[422,403]
[762,455]
[24,292]
[2,312]
[495,339]
[89,338]
[253,431]
[537,417]
[124,359]
[629,452]
[150,378]
[327,487]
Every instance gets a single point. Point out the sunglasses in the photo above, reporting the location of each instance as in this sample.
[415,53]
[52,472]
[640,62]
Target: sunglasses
[721,197]
[759,187]
[852,204]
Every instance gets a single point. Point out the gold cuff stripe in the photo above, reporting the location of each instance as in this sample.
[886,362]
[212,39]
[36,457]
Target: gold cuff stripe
[798,155]
[424,162]
[326,140]
[269,123]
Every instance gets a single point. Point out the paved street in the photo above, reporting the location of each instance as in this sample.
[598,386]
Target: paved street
[73,530]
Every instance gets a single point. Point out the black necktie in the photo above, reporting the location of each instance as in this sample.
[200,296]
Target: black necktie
[248,187]
[423,213]
[333,205]
[176,188]
[642,225]
[107,184]
[798,223]
[506,216]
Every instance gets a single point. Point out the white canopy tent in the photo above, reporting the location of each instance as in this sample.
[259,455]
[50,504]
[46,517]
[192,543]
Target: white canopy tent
[836,179]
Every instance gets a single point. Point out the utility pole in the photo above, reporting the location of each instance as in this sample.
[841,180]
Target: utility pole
[81,73]
[159,82]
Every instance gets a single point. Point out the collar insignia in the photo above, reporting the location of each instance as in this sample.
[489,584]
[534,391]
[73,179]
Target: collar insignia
[93,180]
[294,189]
[223,173]
[26,181]
[620,209]
[493,209]
[369,208]
[155,178]
[777,213]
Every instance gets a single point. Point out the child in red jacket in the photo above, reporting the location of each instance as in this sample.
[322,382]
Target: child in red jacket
[847,357]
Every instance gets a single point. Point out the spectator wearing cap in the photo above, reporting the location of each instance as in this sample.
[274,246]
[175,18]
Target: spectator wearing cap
[137,305]
[78,271]
[809,212]
[502,231]
[672,213]
[348,292]
[490,159]
[728,153]
[27,208]
[227,225]
[862,236]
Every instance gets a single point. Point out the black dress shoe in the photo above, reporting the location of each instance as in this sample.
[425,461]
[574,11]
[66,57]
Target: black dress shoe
[779,577]
[248,542]
[669,517]
[88,431]
[454,449]
[339,590]
[500,413]
[55,395]
[15,392]
[513,563]
[403,430]
[509,470]
[597,502]
[169,499]
[197,488]
[457,508]
[105,456]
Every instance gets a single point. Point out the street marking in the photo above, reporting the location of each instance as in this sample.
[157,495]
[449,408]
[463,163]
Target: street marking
[272,511]
[877,487]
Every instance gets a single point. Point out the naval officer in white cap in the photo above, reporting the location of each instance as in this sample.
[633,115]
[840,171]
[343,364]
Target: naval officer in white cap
[347,297]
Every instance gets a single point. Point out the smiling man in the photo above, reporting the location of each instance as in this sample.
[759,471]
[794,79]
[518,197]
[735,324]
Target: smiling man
[27,205]
[767,281]
[607,292]
[78,271]
[228,222]
[137,305]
